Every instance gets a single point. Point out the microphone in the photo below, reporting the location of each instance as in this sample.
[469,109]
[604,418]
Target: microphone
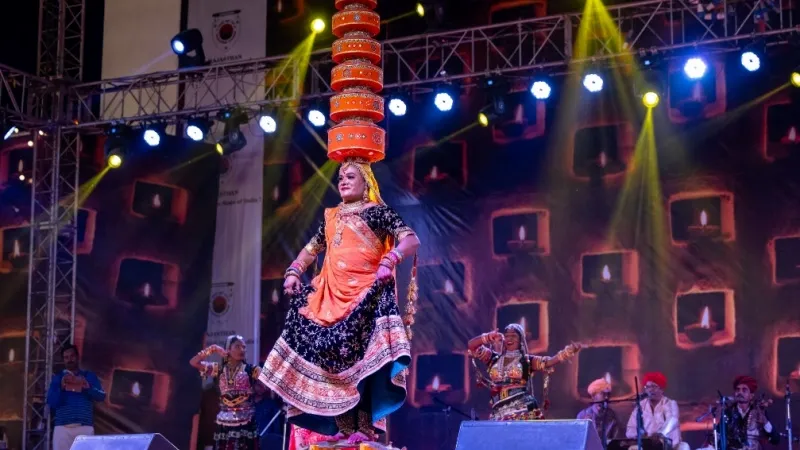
[642,396]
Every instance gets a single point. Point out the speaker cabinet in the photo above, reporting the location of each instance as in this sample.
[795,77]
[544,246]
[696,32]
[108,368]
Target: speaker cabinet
[538,434]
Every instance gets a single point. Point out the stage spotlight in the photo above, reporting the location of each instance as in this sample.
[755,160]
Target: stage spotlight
[750,61]
[397,106]
[114,160]
[267,123]
[483,119]
[795,79]
[541,90]
[30,144]
[593,82]
[188,45]
[650,99]
[316,117]
[10,131]
[443,101]
[317,26]
[420,10]
[196,129]
[152,136]
[695,68]
[231,142]
[21,177]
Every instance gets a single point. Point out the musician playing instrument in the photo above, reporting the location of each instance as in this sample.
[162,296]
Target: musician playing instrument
[604,418]
[660,414]
[748,425]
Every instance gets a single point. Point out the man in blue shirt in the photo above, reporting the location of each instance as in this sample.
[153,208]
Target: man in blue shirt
[71,399]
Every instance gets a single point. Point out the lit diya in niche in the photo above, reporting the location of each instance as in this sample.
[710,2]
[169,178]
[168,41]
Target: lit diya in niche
[602,160]
[790,138]
[147,290]
[435,175]
[11,355]
[136,390]
[703,228]
[437,386]
[605,275]
[448,288]
[607,377]
[795,375]
[702,331]
[276,193]
[16,251]
[156,201]
[522,243]
[276,297]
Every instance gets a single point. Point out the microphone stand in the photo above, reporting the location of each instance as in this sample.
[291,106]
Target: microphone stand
[604,437]
[639,416]
[723,423]
[788,397]
[447,409]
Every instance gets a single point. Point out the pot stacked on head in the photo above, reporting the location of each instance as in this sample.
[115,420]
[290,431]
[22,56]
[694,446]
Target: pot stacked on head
[357,80]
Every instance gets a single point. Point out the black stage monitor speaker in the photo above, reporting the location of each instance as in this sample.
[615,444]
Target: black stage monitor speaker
[123,442]
[538,434]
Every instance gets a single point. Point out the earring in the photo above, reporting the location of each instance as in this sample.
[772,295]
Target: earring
[366,195]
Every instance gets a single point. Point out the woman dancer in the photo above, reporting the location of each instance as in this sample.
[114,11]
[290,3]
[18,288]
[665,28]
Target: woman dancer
[342,359]
[511,370]
[236,426]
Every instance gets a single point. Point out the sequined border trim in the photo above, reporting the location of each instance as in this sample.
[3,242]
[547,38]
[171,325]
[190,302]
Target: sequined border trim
[312,390]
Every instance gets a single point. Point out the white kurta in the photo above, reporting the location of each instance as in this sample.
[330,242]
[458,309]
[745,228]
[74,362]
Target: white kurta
[664,419]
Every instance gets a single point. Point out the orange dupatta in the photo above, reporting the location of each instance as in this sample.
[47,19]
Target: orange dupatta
[348,271]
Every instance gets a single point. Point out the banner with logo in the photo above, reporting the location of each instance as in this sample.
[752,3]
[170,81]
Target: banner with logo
[235,30]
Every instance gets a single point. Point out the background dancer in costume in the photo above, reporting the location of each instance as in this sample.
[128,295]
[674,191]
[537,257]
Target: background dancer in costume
[511,370]
[341,361]
[236,424]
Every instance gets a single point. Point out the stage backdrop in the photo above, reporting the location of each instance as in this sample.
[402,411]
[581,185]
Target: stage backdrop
[680,258]
[234,31]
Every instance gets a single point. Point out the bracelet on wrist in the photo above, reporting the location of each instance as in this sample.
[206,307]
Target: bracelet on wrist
[396,252]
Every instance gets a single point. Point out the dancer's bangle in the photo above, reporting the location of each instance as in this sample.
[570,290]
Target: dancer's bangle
[396,252]
[485,339]
[299,266]
[292,272]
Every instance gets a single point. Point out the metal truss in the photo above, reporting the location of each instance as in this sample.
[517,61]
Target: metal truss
[61,33]
[52,272]
[41,103]
[516,48]
[23,97]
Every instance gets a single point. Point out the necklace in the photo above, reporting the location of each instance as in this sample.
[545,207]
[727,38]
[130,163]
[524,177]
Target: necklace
[350,208]
[345,211]
[231,372]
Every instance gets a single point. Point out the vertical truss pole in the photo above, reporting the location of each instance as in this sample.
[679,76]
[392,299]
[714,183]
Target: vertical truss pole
[61,37]
[52,274]
[54,205]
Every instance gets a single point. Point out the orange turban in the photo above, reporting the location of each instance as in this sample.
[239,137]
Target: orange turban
[746,380]
[599,385]
[657,378]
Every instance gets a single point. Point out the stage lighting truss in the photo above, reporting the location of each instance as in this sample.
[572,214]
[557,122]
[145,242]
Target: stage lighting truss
[398,104]
[267,123]
[197,129]
[409,63]
[188,45]
[541,88]
[117,145]
[497,89]
[233,138]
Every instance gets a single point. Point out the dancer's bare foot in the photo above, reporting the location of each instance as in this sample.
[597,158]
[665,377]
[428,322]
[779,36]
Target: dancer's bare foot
[357,438]
[338,437]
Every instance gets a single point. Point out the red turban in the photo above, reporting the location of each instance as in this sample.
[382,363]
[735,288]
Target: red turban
[657,378]
[746,380]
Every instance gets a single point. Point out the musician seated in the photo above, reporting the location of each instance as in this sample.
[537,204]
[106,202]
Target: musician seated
[604,418]
[748,426]
[660,415]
